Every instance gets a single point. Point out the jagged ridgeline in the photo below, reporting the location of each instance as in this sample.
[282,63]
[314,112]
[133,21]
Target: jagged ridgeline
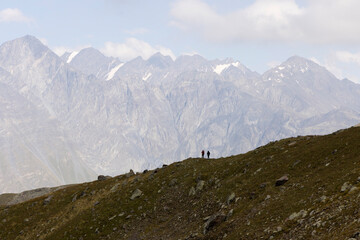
[297,188]
[68,119]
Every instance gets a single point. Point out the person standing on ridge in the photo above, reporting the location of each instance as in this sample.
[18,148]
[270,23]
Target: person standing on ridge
[202,153]
[208,154]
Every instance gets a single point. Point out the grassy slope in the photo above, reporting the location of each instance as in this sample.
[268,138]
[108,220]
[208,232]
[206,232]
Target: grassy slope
[317,167]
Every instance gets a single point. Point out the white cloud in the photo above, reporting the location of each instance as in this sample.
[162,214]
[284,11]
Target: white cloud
[350,64]
[320,21]
[273,64]
[133,48]
[332,65]
[348,57]
[342,64]
[13,15]
[44,41]
[192,53]
[125,51]
[60,50]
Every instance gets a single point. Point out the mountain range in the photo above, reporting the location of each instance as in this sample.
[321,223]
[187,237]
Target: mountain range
[84,114]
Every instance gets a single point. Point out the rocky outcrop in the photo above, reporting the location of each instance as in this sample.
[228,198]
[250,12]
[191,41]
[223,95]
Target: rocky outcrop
[137,193]
[102,177]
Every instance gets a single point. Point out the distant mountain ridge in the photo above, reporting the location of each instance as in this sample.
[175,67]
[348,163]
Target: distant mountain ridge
[100,66]
[140,114]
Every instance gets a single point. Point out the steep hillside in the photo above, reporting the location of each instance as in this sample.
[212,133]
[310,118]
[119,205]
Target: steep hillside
[237,197]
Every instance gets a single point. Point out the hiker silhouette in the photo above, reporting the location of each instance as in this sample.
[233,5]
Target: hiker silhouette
[202,153]
[208,154]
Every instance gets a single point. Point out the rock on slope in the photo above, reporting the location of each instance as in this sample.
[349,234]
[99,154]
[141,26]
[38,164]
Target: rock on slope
[237,197]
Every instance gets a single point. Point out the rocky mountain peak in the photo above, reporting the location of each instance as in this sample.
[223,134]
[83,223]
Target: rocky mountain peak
[160,61]
[296,63]
[30,41]
[90,52]
[297,59]
[21,49]
[136,62]
[192,62]
[92,61]
[90,56]
[297,69]
[193,58]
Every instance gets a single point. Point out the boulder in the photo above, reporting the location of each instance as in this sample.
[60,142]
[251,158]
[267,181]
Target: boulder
[346,186]
[130,173]
[47,200]
[281,181]
[200,185]
[102,177]
[353,189]
[356,235]
[301,214]
[230,213]
[115,187]
[192,191]
[231,198]
[213,221]
[137,193]
[263,185]
[74,198]
[173,182]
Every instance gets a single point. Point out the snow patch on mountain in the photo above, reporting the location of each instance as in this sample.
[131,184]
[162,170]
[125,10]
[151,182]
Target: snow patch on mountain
[112,72]
[221,67]
[303,70]
[71,57]
[147,76]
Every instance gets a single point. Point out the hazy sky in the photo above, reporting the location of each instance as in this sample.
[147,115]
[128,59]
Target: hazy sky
[258,33]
